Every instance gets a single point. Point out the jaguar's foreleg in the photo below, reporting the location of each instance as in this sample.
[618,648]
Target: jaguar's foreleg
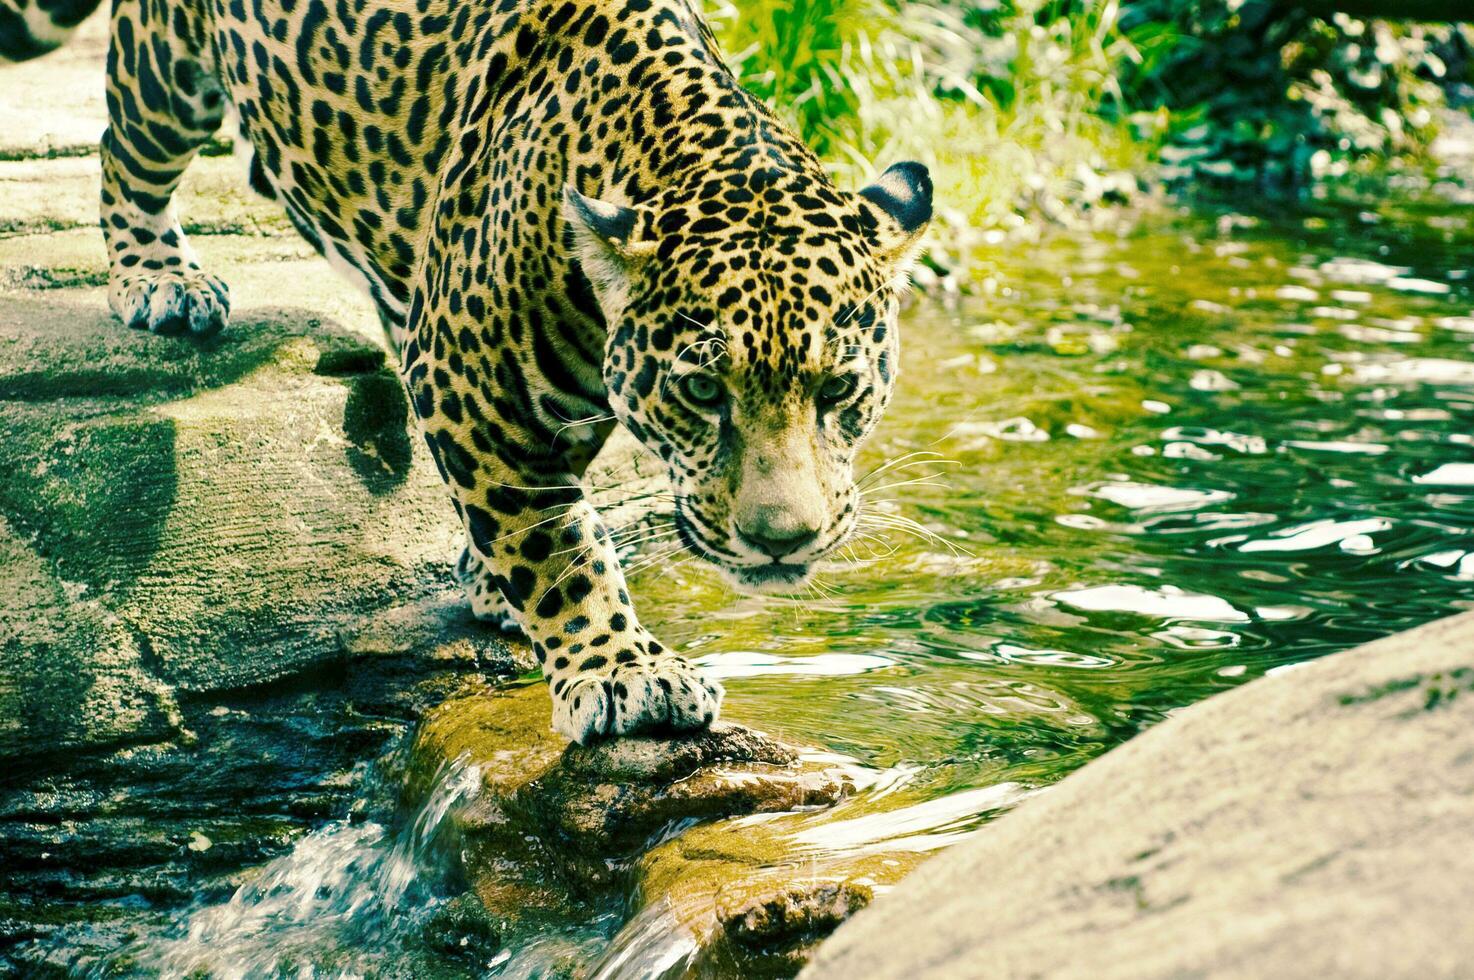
[164,102]
[537,541]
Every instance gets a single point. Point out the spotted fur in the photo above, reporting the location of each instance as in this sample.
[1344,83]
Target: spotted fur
[569,214]
[33,27]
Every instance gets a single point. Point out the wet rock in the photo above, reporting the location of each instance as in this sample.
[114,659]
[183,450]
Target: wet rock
[794,919]
[748,898]
[462,928]
[593,808]
[120,841]
[1314,822]
[610,798]
[695,834]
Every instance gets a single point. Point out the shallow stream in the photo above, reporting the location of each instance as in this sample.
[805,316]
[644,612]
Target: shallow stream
[1146,467]
[1142,467]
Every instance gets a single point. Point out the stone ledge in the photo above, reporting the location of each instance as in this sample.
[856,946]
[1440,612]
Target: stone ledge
[1312,823]
[197,517]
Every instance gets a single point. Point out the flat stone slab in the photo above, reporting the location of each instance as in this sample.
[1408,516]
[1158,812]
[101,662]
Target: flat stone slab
[196,517]
[192,517]
[1314,823]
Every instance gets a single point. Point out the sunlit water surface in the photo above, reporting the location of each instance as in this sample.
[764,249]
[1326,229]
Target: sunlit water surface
[1146,467]
[1149,468]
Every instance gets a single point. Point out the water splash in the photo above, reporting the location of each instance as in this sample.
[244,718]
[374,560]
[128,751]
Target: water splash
[326,908]
[655,944]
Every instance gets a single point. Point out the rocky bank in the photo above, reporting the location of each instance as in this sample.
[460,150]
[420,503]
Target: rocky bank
[225,567]
[694,847]
[1315,823]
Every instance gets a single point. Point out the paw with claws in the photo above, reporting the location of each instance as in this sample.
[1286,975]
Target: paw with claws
[187,302]
[647,694]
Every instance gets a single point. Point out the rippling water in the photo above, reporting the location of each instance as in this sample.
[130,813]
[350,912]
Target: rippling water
[1149,467]
[1143,468]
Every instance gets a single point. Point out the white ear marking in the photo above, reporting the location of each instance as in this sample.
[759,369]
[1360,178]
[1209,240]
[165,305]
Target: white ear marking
[903,195]
[607,245]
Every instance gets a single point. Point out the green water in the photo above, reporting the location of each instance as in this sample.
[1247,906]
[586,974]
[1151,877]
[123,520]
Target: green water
[1166,462]
[1143,466]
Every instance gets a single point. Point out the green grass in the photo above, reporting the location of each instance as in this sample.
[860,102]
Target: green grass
[1031,112]
[1016,109]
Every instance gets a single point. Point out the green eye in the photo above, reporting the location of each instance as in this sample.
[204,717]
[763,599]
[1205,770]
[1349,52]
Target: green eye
[838,388]
[702,389]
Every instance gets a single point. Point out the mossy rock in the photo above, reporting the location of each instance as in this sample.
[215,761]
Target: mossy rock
[691,838]
[181,516]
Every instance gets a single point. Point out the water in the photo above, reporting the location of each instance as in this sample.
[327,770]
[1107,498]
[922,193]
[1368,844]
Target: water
[1143,468]
[1148,467]
[340,903]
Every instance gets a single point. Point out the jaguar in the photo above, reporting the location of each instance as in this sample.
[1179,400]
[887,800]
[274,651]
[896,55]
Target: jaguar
[570,216]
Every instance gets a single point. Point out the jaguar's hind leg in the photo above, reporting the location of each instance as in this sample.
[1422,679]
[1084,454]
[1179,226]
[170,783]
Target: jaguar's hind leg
[164,102]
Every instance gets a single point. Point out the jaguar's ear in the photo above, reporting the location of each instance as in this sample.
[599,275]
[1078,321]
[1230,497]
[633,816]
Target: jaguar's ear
[902,210]
[609,242]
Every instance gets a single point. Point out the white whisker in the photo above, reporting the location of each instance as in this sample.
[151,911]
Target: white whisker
[920,481]
[591,420]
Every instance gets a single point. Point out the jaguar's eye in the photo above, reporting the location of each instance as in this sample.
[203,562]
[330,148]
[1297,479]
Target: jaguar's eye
[702,389]
[838,388]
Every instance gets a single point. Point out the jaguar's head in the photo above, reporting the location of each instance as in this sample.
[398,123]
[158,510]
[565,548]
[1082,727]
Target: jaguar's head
[753,346]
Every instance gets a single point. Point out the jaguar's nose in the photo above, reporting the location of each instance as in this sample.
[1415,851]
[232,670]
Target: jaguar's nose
[776,531]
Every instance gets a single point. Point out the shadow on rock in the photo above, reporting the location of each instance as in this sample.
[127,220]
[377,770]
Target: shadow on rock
[93,469]
[376,418]
[376,421]
[194,514]
[58,349]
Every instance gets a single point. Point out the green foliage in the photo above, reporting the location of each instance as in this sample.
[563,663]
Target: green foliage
[794,56]
[1028,108]
[1266,92]
[1003,100]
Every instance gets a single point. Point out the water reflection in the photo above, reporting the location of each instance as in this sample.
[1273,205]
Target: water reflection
[1168,602]
[728,665]
[1181,458]
[921,826]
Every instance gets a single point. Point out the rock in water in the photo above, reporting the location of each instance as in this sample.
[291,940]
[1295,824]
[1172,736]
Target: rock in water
[1312,823]
[687,832]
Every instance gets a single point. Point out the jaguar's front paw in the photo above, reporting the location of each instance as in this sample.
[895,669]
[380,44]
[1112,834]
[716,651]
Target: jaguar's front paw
[174,302]
[650,694]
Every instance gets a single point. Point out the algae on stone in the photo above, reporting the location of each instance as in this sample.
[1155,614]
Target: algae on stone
[701,836]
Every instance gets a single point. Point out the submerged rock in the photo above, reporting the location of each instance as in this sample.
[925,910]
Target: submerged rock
[462,928]
[738,899]
[692,833]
